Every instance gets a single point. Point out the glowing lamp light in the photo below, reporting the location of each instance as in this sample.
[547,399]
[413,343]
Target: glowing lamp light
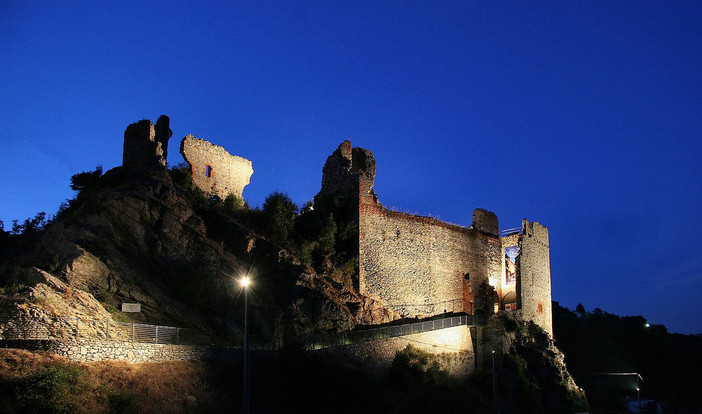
[245,281]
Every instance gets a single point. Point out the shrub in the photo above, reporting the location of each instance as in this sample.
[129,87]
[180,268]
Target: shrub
[86,180]
[232,202]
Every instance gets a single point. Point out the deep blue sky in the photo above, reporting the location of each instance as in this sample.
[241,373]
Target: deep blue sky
[584,116]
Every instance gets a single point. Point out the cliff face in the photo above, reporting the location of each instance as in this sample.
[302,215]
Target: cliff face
[137,236]
[531,372]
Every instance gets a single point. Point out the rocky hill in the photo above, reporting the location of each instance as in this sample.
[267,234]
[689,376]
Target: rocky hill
[133,235]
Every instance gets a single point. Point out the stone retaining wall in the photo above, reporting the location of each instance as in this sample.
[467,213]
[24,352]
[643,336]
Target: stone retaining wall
[135,352]
[454,346]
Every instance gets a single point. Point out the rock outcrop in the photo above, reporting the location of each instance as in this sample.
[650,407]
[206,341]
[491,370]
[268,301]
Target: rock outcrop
[137,236]
[529,366]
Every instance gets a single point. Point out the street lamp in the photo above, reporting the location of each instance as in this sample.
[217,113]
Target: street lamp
[245,282]
[495,408]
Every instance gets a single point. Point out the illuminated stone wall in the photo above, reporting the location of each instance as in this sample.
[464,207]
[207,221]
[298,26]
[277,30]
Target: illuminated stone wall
[416,265]
[534,279]
[134,352]
[453,345]
[214,170]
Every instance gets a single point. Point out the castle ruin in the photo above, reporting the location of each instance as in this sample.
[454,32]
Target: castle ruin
[146,144]
[416,266]
[420,266]
[214,170]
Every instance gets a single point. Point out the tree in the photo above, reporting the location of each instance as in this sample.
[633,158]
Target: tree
[86,179]
[580,309]
[279,213]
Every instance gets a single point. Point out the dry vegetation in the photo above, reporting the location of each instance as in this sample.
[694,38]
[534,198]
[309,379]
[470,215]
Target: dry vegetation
[42,382]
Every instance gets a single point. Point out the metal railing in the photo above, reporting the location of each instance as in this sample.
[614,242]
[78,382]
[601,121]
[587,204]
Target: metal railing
[159,334]
[100,329]
[396,330]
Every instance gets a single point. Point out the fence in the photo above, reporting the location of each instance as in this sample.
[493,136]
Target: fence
[392,331]
[104,329]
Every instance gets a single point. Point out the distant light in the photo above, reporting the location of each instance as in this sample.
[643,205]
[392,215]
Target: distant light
[245,281]
[648,325]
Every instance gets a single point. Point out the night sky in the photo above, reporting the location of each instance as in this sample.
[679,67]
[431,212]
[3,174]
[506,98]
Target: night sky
[584,116]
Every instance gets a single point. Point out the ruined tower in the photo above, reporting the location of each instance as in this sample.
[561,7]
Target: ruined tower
[214,170]
[146,145]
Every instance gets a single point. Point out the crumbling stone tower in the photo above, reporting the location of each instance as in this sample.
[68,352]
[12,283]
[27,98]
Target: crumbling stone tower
[350,173]
[146,145]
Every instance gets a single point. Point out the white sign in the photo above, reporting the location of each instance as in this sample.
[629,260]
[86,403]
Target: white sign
[131,307]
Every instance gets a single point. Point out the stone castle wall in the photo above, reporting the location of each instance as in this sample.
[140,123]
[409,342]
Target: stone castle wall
[534,278]
[214,170]
[417,264]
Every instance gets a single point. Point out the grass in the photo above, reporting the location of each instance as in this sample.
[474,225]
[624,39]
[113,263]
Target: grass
[44,383]
[291,381]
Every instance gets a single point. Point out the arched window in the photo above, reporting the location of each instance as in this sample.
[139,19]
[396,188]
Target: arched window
[540,308]
[208,171]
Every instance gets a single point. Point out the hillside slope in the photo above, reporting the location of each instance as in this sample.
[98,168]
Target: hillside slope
[137,236]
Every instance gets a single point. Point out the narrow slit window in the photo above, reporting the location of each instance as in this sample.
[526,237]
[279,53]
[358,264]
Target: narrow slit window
[208,171]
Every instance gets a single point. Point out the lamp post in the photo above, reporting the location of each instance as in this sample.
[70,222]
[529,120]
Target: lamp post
[638,390]
[495,409]
[639,380]
[245,282]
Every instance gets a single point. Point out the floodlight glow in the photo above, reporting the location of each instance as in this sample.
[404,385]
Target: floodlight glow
[245,281]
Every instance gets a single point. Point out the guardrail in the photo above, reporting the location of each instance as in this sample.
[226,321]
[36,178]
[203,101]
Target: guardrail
[102,329]
[396,330]
[159,334]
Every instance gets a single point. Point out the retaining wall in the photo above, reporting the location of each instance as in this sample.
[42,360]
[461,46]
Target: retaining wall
[135,352]
[454,346]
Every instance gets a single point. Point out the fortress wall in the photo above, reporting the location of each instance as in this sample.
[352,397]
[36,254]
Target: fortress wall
[228,174]
[534,281]
[454,345]
[411,260]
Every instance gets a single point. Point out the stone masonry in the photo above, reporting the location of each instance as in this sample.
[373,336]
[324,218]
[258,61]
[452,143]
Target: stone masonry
[214,170]
[454,345]
[134,352]
[534,276]
[420,266]
[146,145]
